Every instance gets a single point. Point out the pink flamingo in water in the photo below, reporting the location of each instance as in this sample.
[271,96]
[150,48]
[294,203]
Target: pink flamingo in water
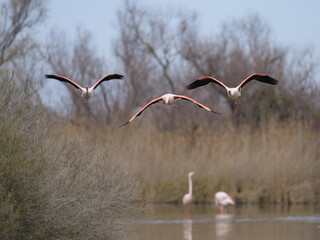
[187,198]
[223,199]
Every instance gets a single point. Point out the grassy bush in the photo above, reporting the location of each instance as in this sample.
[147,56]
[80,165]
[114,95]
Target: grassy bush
[54,187]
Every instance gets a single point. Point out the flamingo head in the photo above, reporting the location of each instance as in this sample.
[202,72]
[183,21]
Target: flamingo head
[233,93]
[230,92]
[87,88]
[190,174]
[166,99]
[230,201]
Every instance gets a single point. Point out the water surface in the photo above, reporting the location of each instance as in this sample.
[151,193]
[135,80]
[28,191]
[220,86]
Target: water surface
[268,222]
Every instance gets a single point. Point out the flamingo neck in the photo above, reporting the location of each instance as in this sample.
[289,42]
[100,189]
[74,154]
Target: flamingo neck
[190,185]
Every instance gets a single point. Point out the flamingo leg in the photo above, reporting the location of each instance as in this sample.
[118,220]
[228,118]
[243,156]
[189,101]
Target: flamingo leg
[187,210]
[221,209]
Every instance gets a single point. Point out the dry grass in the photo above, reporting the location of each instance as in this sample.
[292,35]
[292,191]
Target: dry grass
[54,186]
[278,163]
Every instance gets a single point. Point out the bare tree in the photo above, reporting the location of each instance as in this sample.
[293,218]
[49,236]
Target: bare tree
[241,48]
[148,50]
[154,36]
[16,21]
[82,64]
[137,66]
[162,52]
[18,48]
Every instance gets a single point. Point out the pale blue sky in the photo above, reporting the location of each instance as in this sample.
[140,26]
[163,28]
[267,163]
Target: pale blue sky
[294,23]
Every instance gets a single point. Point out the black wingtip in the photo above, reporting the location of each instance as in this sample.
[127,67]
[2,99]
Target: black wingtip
[215,112]
[118,76]
[189,87]
[52,76]
[273,81]
[124,124]
[270,80]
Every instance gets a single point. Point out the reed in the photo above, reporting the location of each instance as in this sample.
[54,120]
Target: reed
[276,163]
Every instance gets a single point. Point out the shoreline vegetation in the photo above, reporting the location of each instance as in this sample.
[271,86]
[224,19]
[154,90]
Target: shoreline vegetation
[62,178]
[54,186]
[67,171]
[277,163]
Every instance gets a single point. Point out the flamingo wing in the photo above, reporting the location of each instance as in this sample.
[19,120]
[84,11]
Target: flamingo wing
[64,79]
[204,81]
[107,78]
[259,77]
[194,101]
[142,109]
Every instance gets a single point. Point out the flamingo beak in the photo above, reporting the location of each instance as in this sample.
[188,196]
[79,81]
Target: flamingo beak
[231,201]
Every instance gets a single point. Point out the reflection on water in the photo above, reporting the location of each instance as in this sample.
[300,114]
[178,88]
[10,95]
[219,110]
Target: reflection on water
[187,229]
[223,224]
[242,223]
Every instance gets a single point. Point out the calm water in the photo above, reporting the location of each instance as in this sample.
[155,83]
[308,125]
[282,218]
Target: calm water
[241,223]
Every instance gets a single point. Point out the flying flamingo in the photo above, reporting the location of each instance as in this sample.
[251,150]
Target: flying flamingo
[223,199]
[168,99]
[187,198]
[86,92]
[233,93]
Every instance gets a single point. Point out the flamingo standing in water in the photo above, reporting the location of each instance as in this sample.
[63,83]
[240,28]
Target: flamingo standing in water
[86,92]
[223,199]
[168,99]
[187,198]
[233,93]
